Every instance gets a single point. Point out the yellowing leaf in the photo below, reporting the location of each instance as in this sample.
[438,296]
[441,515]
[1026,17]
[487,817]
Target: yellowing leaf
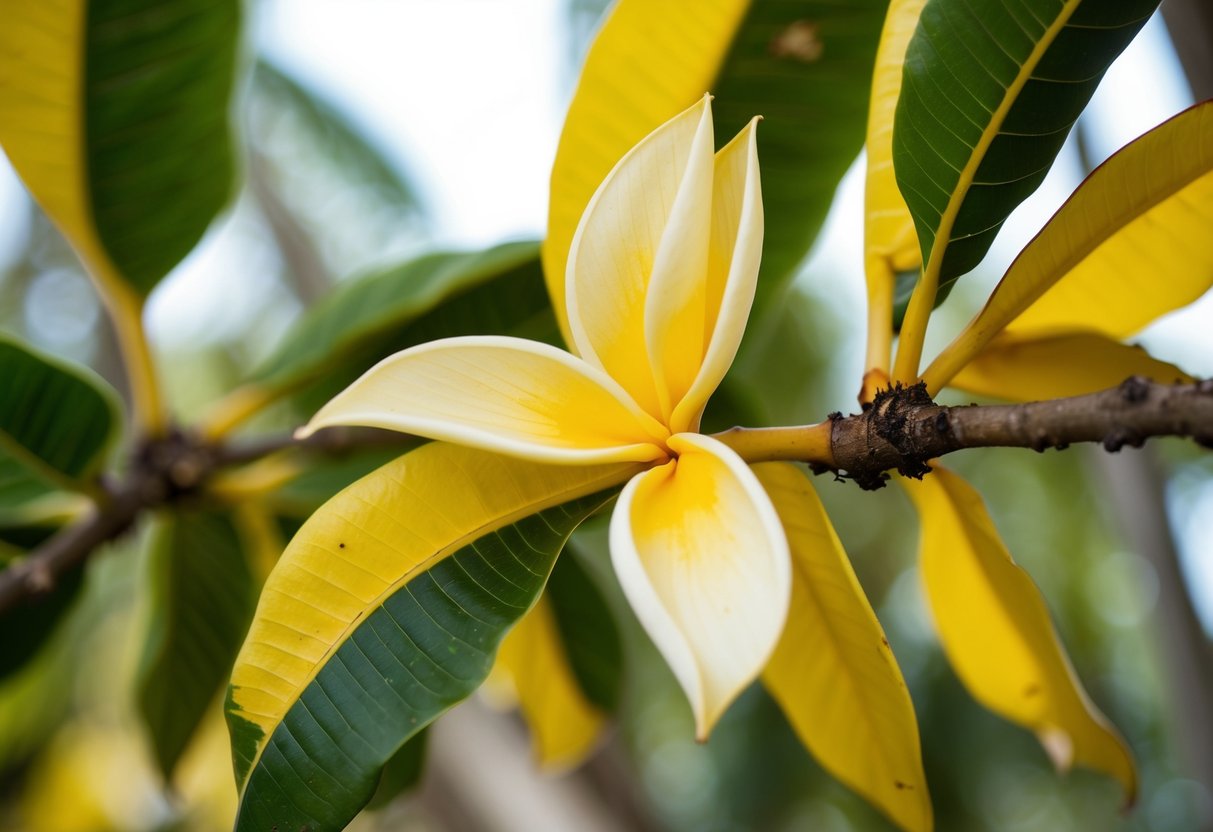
[1131,244]
[665,54]
[833,673]
[363,546]
[890,242]
[996,631]
[564,724]
[114,116]
[1028,368]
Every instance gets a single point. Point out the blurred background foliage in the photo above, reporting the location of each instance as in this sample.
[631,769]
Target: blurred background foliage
[324,198]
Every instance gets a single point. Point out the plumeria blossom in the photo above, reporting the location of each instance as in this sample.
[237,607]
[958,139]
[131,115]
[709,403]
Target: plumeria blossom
[660,279]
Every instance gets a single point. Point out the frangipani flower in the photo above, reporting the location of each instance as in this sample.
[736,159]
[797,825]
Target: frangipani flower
[660,280]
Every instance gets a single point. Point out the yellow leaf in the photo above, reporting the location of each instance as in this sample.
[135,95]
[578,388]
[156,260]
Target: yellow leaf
[1131,244]
[41,76]
[1029,368]
[666,54]
[996,631]
[890,242]
[368,541]
[833,673]
[564,724]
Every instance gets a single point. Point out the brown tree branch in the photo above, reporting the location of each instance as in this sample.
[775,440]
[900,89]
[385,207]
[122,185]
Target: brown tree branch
[902,430]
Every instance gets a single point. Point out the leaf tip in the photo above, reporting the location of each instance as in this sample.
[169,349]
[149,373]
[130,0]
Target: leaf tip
[1059,746]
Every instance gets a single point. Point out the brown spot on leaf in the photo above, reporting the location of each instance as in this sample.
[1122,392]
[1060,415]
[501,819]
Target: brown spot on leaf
[798,41]
[1031,690]
[902,786]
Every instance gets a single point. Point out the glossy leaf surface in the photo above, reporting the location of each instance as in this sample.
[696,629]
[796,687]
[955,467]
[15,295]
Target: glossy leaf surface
[365,621]
[991,90]
[1130,245]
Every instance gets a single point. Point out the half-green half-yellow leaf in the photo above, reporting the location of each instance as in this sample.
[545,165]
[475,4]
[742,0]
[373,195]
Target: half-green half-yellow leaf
[833,673]
[385,609]
[115,115]
[997,634]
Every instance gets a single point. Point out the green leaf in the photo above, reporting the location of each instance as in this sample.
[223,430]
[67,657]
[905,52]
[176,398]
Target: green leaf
[806,68]
[1130,245]
[201,594]
[588,632]
[28,501]
[990,92]
[28,624]
[115,115]
[402,772]
[427,647]
[56,419]
[496,291]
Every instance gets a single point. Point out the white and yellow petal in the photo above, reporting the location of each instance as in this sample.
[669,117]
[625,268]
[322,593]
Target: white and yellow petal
[642,243]
[703,560]
[732,276]
[508,395]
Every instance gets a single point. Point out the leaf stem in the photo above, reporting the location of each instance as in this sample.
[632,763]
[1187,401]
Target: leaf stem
[234,409]
[880,328]
[918,315]
[126,310]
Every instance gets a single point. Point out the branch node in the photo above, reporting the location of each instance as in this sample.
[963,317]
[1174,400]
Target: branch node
[1135,389]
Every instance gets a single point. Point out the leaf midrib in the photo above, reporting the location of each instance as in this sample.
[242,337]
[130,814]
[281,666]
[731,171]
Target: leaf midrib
[923,299]
[501,522]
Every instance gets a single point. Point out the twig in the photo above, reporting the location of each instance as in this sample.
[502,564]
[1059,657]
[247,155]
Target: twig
[903,430]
